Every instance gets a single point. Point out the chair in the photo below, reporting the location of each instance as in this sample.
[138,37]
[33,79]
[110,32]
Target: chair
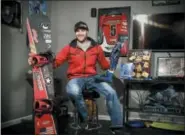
[90,97]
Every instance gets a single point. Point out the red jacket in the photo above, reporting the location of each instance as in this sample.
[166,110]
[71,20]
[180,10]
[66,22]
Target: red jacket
[81,63]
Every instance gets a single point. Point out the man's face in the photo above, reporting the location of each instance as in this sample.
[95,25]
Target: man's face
[81,35]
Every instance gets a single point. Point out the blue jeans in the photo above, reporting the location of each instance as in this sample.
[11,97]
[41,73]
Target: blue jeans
[74,90]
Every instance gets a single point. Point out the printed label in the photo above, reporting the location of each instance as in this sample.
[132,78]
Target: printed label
[46,31]
[47,36]
[48,41]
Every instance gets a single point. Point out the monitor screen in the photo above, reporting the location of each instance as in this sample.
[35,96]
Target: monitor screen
[158,31]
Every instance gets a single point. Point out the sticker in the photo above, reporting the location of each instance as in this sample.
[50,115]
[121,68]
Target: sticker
[49,45]
[47,31]
[47,130]
[47,36]
[44,26]
[48,41]
[48,80]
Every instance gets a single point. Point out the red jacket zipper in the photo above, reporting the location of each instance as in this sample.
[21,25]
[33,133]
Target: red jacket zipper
[84,57]
[85,61]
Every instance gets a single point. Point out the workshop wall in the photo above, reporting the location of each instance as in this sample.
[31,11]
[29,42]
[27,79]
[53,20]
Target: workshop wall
[64,14]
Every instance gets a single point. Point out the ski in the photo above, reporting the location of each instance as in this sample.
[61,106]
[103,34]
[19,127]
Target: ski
[39,37]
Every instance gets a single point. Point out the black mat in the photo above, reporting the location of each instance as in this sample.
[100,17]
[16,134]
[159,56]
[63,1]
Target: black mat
[26,128]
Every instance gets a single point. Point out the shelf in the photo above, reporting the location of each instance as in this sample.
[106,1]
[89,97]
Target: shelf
[139,110]
[154,81]
[152,85]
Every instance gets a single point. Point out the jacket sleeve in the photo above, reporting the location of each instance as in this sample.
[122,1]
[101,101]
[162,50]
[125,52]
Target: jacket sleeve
[104,63]
[61,57]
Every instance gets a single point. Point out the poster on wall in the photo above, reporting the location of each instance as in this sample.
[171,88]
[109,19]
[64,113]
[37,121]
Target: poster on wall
[165,2]
[11,13]
[114,26]
[170,67]
[37,6]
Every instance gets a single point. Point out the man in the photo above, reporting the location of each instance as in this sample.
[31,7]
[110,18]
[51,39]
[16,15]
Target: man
[82,55]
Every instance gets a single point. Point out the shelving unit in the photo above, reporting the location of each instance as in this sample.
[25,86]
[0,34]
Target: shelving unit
[145,85]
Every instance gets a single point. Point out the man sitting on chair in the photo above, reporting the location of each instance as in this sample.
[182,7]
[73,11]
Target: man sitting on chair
[82,55]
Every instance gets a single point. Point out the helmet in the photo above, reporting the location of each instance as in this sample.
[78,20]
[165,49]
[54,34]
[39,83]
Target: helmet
[81,25]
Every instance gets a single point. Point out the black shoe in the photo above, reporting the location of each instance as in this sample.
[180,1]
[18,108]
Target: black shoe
[116,130]
[119,131]
[84,124]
